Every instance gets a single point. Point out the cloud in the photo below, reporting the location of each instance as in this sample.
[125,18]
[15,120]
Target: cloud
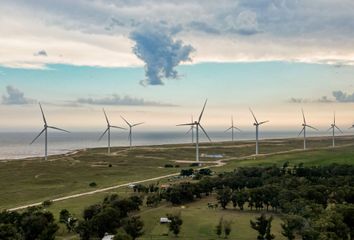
[245,23]
[14,96]
[41,53]
[97,33]
[343,97]
[203,27]
[323,99]
[115,99]
[155,46]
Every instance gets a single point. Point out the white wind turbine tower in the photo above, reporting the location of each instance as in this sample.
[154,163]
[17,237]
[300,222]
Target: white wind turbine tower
[197,125]
[304,126]
[232,128]
[45,131]
[333,126]
[257,124]
[108,130]
[191,130]
[130,129]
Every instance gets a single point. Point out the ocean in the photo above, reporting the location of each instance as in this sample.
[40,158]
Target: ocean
[16,145]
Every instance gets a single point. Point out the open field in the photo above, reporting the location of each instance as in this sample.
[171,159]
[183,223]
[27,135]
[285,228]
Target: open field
[199,222]
[34,180]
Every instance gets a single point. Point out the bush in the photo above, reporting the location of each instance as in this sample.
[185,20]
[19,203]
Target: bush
[168,165]
[194,165]
[93,184]
[187,172]
[176,166]
[47,203]
[109,165]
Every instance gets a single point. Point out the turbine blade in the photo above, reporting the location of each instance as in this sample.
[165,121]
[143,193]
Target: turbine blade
[60,129]
[201,114]
[118,127]
[351,127]
[329,129]
[44,120]
[255,119]
[191,128]
[228,129]
[302,130]
[126,121]
[263,122]
[185,124]
[334,118]
[205,132]
[99,139]
[237,129]
[232,121]
[312,127]
[106,116]
[303,115]
[136,124]
[37,136]
[338,129]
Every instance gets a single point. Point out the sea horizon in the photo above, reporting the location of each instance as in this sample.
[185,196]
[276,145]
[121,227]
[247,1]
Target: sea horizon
[16,145]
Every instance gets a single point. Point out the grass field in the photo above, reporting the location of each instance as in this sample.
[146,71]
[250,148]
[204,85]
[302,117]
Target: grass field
[34,180]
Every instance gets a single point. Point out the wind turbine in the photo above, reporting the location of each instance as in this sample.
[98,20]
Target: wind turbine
[45,131]
[108,130]
[303,130]
[197,125]
[257,124]
[191,130]
[333,126]
[232,128]
[351,127]
[130,129]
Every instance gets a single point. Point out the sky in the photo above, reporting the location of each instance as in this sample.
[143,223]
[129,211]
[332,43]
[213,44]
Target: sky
[158,61]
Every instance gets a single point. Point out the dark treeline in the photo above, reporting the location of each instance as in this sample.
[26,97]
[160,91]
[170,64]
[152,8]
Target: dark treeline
[315,202]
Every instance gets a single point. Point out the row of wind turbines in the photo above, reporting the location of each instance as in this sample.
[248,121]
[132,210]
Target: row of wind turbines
[194,129]
[108,131]
[196,125]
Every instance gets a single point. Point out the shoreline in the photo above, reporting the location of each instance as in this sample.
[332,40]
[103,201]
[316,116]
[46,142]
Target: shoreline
[242,141]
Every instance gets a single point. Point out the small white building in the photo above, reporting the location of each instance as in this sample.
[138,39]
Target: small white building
[165,220]
[108,237]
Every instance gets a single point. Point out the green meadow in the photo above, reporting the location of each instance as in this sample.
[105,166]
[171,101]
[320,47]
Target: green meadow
[35,180]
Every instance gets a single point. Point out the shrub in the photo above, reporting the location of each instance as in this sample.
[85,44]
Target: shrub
[168,165]
[47,203]
[93,184]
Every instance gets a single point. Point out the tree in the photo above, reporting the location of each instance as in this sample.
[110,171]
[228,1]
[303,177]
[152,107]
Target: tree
[134,227]
[239,198]
[227,228]
[175,224]
[291,225]
[84,229]
[66,218]
[108,220]
[263,226]
[9,232]
[218,228]
[224,197]
[38,225]
[330,225]
[121,235]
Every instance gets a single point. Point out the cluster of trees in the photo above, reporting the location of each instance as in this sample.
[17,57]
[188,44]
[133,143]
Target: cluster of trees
[109,216]
[321,197]
[34,223]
